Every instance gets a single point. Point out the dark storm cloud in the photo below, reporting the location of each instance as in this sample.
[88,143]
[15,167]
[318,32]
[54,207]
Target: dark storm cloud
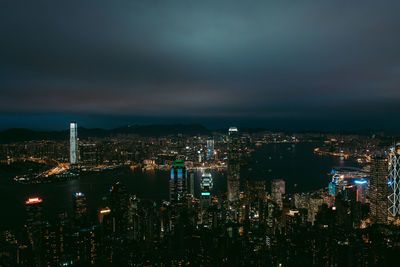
[259,59]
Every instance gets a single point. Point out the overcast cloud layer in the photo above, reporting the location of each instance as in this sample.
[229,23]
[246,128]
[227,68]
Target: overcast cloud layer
[257,61]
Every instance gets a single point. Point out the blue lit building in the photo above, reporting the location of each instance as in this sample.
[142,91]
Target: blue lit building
[210,149]
[206,185]
[177,181]
[348,179]
[80,209]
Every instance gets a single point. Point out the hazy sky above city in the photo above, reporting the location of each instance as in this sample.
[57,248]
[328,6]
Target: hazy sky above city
[257,63]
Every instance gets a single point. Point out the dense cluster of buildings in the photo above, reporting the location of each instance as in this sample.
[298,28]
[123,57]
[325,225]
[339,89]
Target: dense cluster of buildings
[352,222]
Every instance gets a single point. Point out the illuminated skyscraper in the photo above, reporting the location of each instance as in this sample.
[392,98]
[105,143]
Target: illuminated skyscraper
[233,165]
[206,186]
[177,181]
[80,210]
[119,207]
[34,219]
[277,191]
[103,212]
[361,190]
[394,182]
[33,208]
[379,190]
[254,196]
[210,149]
[254,189]
[73,143]
[191,183]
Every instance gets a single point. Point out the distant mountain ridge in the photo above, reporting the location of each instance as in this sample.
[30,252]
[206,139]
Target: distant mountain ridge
[21,134]
[153,130]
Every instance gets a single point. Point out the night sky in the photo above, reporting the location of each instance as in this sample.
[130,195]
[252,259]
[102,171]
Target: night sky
[327,64]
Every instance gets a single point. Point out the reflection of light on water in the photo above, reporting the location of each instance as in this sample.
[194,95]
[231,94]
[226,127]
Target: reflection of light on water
[148,174]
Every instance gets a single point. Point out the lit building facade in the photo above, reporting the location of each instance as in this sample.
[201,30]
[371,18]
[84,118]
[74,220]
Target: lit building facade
[103,212]
[233,182]
[210,149]
[394,182]
[191,178]
[177,181]
[119,207]
[73,143]
[361,190]
[88,155]
[277,191]
[34,210]
[206,185]
[378,190]
[346,180]
[80,209]
[34,223]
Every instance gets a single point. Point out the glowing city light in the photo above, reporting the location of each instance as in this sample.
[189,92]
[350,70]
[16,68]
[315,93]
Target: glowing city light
[79,194]
[105,211]
[360,182]
[33,200]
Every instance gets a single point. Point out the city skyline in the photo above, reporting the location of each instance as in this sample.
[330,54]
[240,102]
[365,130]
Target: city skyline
[199,133]
[107,200]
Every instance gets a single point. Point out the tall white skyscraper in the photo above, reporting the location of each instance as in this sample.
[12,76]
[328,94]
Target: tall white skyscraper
[73,143]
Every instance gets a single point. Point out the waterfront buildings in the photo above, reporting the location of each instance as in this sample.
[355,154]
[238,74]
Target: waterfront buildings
[198,228]
[88,155]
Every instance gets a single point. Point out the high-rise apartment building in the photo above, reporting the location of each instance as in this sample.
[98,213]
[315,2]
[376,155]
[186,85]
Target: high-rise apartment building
[378,190]
[191,179]
[233,165]
[277,191]
[119,207]
[33,207]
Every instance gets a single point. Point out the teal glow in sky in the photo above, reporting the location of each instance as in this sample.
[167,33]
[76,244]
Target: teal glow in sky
[313,63]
